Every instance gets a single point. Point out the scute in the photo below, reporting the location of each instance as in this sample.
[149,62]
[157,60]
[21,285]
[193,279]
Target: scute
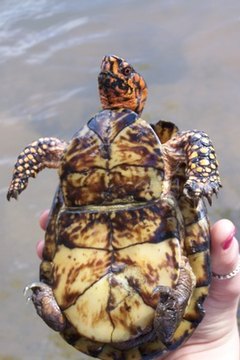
[109,163]
[106,287]
[75,270]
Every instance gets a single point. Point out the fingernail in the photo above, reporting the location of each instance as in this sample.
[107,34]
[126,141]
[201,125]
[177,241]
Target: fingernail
[227,243]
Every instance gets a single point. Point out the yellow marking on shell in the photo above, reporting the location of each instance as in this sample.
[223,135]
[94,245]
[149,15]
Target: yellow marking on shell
[197,262]
[77,269]
[129,313]
[193,166]
[193,155]
[153,347]
[96,178]
[33,150]
[39,150]
[26,151]
[184,330]
[44,146]
[138,226]
[30,156]
[192,312]
[20,169]
[199,169]
[26,165]
[78,232]
[46,269]
[150,263]
[196,233]
[133,354]
[89,316]
[84,188]
[145,182]
[204,150]
[20,161]
[137,151]
[90,155]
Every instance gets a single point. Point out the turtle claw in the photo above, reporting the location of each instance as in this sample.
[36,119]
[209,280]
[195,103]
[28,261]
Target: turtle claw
[16,187]
[32,286]
[209,199]
[194,189]
[12,194]
[46,306]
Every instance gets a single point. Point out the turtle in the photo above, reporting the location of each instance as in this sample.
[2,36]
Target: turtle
[126,261]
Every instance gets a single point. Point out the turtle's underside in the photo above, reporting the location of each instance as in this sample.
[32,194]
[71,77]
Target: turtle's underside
[126,263]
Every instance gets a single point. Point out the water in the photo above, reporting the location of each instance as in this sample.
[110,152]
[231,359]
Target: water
[50,51]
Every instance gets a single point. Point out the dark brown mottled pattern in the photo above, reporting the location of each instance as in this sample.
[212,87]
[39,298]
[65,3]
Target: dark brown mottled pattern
[117,159]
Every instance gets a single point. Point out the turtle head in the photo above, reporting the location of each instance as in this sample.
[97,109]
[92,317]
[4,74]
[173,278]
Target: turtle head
[120,86]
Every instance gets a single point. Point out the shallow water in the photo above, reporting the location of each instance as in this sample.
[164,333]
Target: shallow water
[50,51]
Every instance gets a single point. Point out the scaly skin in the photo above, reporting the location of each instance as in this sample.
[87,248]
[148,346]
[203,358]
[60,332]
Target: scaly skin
[45,152]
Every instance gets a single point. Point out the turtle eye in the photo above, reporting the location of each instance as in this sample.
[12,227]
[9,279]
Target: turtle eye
[127,70]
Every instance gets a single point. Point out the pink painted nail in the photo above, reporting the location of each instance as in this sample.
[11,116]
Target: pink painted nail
[227,243]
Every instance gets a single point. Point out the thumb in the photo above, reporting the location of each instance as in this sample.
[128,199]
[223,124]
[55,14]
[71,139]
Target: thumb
[225,259]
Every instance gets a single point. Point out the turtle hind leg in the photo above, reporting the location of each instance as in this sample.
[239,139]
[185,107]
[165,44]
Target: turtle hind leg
[45,152]
[171,305]
[46,305]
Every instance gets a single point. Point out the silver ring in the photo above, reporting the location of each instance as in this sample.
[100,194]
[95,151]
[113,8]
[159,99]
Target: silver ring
[229,275]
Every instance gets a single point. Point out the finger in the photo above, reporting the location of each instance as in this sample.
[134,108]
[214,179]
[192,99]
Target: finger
[225,258]
[39,247]
[43,219]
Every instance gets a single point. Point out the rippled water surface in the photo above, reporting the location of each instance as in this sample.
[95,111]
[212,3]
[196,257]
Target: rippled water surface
[50,51]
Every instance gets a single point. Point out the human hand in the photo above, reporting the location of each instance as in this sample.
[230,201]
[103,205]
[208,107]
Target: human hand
[217,336]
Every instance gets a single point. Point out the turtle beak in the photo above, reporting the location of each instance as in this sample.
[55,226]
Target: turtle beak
[105,72]
[106,64]
[111,63]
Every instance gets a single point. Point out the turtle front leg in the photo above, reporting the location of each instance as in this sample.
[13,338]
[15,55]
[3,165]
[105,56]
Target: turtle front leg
[172,303]
[45,152]
[46,305]
[195,149]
